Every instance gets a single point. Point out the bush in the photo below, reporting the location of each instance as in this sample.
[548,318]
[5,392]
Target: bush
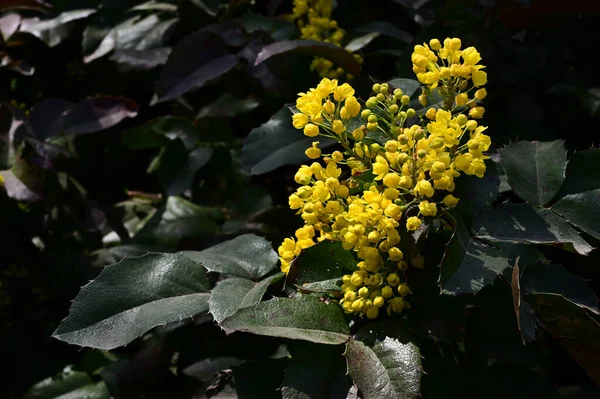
[400,228]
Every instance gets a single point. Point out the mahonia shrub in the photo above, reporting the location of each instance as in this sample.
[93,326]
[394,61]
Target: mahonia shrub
[397,167]
[313,18]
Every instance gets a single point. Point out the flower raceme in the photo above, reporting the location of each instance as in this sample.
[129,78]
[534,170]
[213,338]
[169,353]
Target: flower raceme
[313,18]
[397,168]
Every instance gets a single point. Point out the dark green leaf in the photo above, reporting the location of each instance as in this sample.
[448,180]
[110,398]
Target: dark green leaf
[329,286]
[306,319]
[325,260]
[246,256]
[387,29]
[408,86]
[206,368]
[131,297]
[184,178]
[316,372]
[179,219]
[477,193]
[132,60]
[535,169]
[194,62]
[581,174]
[582,210]
[228,106]
[469,264]
[339,56]
[258,379]
[384,363]
[276,143]
[159,132]
[525,224]
[91,391]
[52,387]
[555,279]
[526,321]
[236,293]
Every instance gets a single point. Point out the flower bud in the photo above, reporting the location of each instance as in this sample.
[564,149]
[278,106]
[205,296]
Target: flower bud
[393,108]
[365,113]
[410,113]
[435,44]
[405,99]
[376,87]
[403,139]
[380,97]
[430,114]
[421,154]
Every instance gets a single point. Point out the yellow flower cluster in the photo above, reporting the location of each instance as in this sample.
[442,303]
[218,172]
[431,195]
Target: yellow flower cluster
[401,167]
[313,18]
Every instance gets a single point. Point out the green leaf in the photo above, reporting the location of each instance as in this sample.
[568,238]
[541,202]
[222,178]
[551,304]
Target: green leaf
[328,286]
[469,264]
[182,73]
[535,169]
[206,368]
[387,29]
[477,193]
[236,293]
[306,319]
[408,86]
[524,224]
[160,132]
[361,41]
[248,256]
[91,391]
[384,363]
[315,372]
[325,260]
[129,298]
[179,219]
[277,143]
[581,210]
[64,382]
[555,279]
[581,174]
[336,54]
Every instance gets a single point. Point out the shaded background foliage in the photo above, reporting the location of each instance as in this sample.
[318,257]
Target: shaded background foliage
[123,124]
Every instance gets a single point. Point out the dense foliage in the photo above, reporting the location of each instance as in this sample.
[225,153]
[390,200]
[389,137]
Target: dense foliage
[299,199]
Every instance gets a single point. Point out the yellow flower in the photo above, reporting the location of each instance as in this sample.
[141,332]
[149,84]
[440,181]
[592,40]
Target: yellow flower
[427,208]
[476,112]
[479,78]
[393,211]
[326,87]
[413,223]
[342,92]
[481,94]
[380,167]
[313,152]
[395,254]
[329,107]
[450,201]
[424,187]
[471,56]
[299,120]
[337,126]
[352,106]
[391,180]
[462,99]
[311,130]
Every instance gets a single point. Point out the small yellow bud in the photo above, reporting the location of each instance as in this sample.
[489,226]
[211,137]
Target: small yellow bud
[413,223]
[477,112]
[299,121]
[372,118]
[391,146]
[403,139]
[378,301]
[337,126]
[395,254]
[376,87]
[430,114]
[472,125]
[387,292]
[373,312]
[481,94]
[393,108]
[358,134]
[405,99]
[311,130]
[403,265]
[363,292]
[371,102]
[462,99]
[380,97]
[403,289]
[421,154]
[365,113]
[445,73]
[358,305]
[423,99]
[435,44]
[337,156]
[461,119]
[410,112]
[393,279]
[313,152]
[450,201]
[455,43]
